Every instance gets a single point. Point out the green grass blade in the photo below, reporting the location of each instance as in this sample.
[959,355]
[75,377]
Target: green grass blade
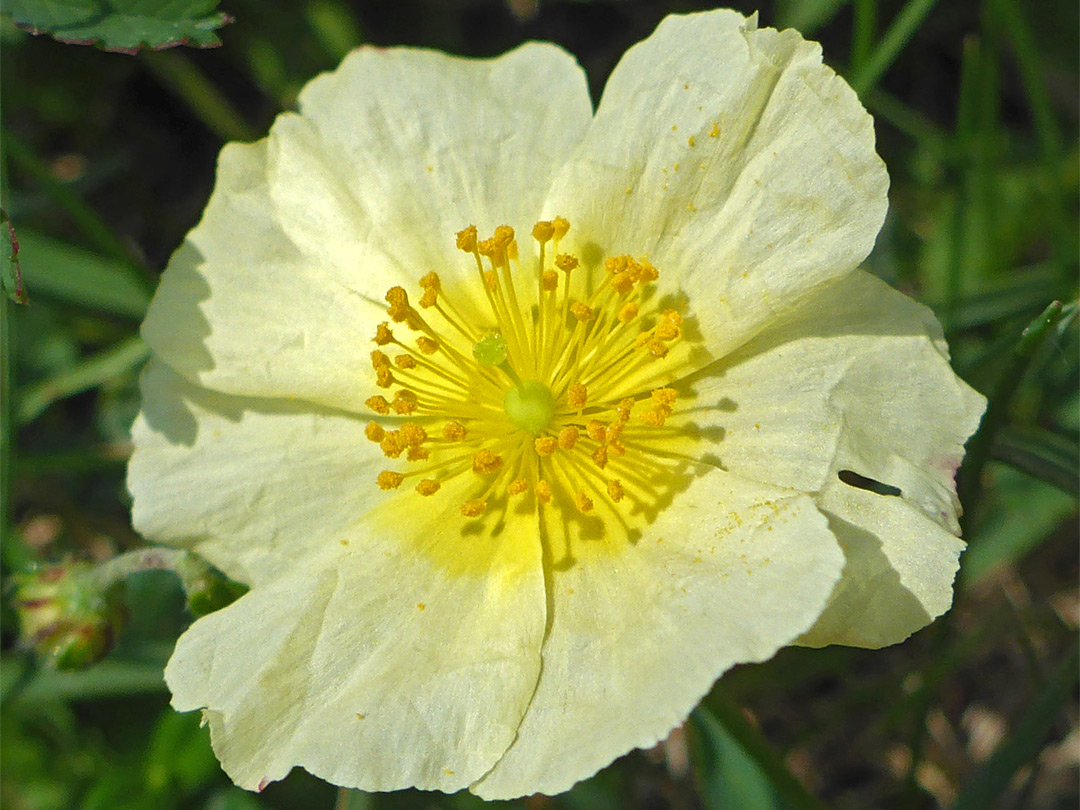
[727,776]
[75,276]
[720,711]
[882,56]
[86,375]
[1041,454]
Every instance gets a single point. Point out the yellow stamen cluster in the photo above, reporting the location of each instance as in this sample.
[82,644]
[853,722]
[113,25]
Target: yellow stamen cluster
[570,338]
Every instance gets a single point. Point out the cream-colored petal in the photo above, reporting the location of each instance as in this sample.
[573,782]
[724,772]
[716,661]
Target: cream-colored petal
[255,486]
[370,666]
[728,573]
[743,167]
[242,309]
[429,143]
[857,380]
[277,291]
[898,572]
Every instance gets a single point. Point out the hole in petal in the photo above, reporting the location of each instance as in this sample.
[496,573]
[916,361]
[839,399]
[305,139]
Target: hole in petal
[853,479]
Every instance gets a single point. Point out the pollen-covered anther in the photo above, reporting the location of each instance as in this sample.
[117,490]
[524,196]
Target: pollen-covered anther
[648,273]
[543,231]
[417,454]
[628,312]
[582,312]
[405,362]
[466,239]
[378,404]
[622,283]
[404,403]
[545,445]
[473,508]
[431,281]
[596,429]
[543,492]
[622,410]
[428,486]
[560,227]
[391,445]
[390,480]
[379,360]
[430,298]
[600,456]
[549,280]
[568,437]
[374,431]
[383,335]
[576,396]
[412,434]
[485,462]
[491,280]
[566,262]
[665,396]
[658,349]
[427,345]
[384,378]
[583,502]
[453,431]
[517,486]
[669,327]
[615,490]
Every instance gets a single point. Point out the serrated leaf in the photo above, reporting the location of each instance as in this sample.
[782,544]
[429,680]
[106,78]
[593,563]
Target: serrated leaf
[122,25]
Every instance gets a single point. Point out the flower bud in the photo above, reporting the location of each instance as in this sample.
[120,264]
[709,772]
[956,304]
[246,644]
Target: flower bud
[67,615]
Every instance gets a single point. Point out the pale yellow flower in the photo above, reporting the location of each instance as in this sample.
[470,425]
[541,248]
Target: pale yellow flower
[510,499]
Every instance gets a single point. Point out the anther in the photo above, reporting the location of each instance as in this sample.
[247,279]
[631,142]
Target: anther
[568,437]
[417,454]
[404,402]
[560,227]
[390,480]
[405,361]
[473,508]
[427,345]
[428,486]
[517,486]
[486,462]
[466,239]
[600,456]
[431,281]
[628,312]
[378,404]
[545,445]
[453,431]
[383,335]
[543,492]
[374,431]
[615,490]
[576,396]
[582,312]
[596,429]
[549,280]
[566,262]
[543,231]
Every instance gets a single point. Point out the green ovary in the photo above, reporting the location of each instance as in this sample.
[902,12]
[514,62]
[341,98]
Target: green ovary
[530,406]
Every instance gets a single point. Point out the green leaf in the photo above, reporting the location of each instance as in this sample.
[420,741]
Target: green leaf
[122,25]
[727,776]
[76,276]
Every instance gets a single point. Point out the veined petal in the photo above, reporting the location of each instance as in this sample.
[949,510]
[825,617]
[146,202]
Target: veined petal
[898,572]
[276,291]
[430,143]
[819,392]
[241,309]
[726,574]
[368,666]
[743,167]
[246,482]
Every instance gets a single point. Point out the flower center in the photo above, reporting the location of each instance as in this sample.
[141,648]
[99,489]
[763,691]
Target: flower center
[544,380]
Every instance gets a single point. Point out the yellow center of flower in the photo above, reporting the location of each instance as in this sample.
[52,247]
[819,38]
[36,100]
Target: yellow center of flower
[545,382]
